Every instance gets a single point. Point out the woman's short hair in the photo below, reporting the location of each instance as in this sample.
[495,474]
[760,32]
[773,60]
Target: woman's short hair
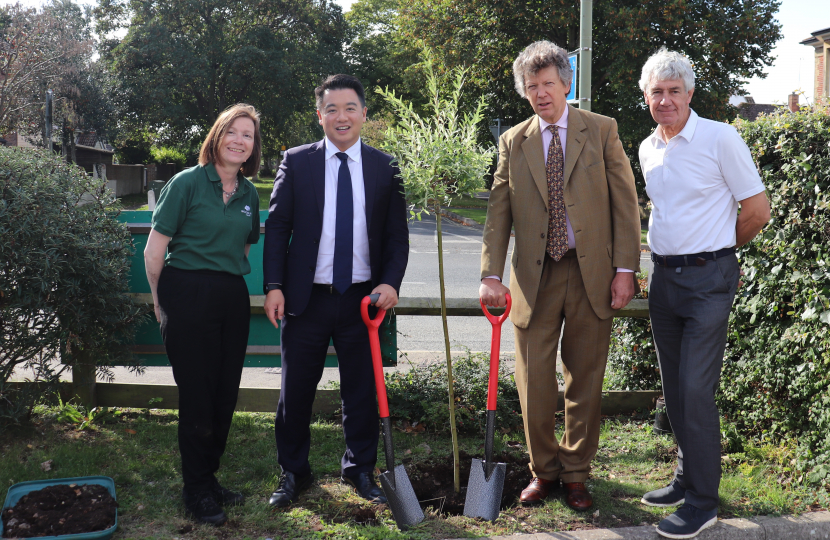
[210,148]
[666,65]
[538,56]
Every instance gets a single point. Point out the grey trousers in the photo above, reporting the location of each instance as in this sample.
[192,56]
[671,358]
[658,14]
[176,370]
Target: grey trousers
[689,309]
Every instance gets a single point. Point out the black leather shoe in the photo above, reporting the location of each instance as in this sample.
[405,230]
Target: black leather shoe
[202,507]
[289,489]
[226,497]
[364,484]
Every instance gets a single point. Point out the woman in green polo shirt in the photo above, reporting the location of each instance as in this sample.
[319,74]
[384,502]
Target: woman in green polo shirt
[205,221]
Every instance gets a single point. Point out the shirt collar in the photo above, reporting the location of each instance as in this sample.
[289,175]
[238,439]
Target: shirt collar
[561,123]
[213,176]
[688,131]
[353,151]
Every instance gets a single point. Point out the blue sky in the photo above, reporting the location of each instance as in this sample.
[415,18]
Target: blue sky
[793,67]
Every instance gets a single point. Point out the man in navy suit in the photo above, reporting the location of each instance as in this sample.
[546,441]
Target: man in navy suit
[336,232]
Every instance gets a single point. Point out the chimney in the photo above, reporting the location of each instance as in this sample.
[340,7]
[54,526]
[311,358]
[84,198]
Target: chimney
[792,102]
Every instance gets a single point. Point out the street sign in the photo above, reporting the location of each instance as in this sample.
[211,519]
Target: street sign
[571,97]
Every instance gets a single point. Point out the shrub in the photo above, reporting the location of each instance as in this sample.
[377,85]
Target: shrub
[166,154]
[64,266]
[776,378]
[632,358]
[420,394]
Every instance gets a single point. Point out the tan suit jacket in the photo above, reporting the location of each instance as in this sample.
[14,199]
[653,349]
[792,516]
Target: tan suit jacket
[600,199]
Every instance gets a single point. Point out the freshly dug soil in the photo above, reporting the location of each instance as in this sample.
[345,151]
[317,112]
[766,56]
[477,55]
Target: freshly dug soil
[61,509]
[433,481]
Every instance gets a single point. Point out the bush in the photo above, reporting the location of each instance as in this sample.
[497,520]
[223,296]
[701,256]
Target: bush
[632,357]
[776,378]
[64,267]
[165,154]
[420,394]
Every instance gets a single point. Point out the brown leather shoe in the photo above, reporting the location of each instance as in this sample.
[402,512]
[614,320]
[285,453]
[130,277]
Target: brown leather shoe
[577,496]
[537,491]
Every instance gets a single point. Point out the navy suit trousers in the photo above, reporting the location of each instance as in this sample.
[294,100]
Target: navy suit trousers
[689,312]
[304,341]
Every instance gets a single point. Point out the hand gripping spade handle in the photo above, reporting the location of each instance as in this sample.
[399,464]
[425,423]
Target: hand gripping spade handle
[395,482]
[486,483]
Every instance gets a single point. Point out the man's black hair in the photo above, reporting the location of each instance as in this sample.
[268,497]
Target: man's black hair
[340,82]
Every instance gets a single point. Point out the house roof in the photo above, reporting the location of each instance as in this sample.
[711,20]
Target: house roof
[750,111]
[817,37]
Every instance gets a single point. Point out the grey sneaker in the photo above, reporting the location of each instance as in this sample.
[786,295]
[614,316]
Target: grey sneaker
[671,495]
[687,522]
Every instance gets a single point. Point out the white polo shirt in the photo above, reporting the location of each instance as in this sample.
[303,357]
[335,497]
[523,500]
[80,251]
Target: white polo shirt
[695,182]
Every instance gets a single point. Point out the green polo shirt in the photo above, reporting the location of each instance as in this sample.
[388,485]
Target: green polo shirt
[206,234]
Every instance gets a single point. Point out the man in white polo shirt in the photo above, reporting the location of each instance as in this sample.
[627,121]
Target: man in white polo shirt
[698,174]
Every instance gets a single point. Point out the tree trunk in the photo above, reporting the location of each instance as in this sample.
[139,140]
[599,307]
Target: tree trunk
[456,470]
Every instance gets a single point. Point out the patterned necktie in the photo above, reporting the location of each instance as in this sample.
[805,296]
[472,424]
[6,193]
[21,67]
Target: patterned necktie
[555,173]
[343,228]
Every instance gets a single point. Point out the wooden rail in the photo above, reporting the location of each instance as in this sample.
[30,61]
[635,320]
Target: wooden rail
[92,393]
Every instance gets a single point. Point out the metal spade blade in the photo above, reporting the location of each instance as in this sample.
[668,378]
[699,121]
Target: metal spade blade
[483,494]
[401,497]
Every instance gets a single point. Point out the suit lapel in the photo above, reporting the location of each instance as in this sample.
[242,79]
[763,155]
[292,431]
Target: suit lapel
[370,178]
[317,162]
[576,140]
[532,148]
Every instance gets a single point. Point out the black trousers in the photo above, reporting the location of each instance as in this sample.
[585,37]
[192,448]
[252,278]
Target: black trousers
[689,312]
[205,317]
[304,341]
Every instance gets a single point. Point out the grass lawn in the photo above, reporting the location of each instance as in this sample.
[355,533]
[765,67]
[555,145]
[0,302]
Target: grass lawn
[643,236]
[139,450]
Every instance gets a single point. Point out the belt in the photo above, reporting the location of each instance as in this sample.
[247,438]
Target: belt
[328,288]
[695,259]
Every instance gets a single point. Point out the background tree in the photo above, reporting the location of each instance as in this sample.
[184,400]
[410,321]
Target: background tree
[182,62]
[728,41]
[37,50]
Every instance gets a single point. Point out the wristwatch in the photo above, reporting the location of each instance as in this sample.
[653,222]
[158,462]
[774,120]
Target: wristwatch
[272,287]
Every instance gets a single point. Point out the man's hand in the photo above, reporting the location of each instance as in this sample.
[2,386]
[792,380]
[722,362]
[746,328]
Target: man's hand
[157,310]
[492,292]
[274,306]
[388,296]
[622,289]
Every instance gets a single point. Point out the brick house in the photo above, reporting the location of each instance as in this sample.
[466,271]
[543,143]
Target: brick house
[820,41]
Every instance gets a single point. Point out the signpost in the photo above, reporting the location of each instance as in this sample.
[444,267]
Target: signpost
[571,97]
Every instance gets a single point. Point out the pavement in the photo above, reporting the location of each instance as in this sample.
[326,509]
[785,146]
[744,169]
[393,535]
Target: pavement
[809,526]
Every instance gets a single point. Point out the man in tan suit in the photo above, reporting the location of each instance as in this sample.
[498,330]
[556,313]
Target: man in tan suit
[565,185]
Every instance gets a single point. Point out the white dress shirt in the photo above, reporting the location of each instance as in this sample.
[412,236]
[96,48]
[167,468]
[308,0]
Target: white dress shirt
[695,182]
[361,271]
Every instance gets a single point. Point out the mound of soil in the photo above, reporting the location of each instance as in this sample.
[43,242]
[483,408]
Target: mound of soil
[433,481]
[61,509]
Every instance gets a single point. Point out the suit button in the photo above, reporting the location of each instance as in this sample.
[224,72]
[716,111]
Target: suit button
[315,241]
[542,235]
[538,262]
[311,269]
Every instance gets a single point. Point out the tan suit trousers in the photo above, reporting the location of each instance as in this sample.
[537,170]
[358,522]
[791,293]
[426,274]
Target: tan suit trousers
[585,340]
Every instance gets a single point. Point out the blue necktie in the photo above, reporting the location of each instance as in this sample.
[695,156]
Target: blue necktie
[343,228]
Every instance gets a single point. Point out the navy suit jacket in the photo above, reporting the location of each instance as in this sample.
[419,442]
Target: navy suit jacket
[295,222]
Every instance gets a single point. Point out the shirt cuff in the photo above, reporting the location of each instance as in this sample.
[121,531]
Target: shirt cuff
[624,270]
[492,277]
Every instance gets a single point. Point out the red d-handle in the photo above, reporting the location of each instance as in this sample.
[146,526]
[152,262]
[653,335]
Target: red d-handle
[495,345]
[374,344]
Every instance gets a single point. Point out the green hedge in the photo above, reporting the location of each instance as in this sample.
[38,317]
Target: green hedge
[776,384]
[776,377]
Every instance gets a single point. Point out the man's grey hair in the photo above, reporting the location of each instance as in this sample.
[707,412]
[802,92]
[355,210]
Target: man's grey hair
[538,56]
[666,65]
